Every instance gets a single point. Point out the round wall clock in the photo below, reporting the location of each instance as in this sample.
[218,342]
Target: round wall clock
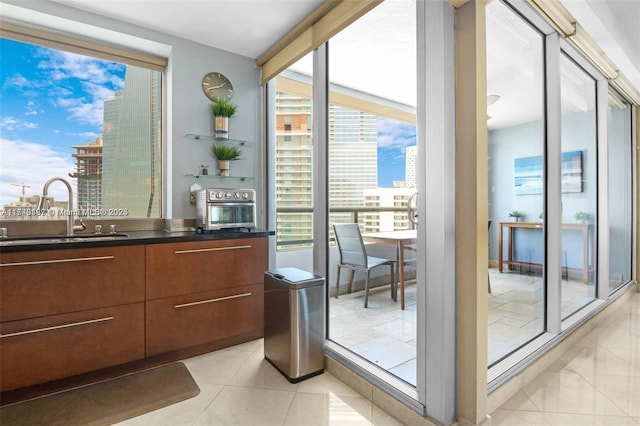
[216,86]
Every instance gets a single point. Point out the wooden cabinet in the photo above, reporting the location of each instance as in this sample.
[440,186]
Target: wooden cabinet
[201,292]
[186,268]
[42,349]
[184,321]
[49,282]
[65,312]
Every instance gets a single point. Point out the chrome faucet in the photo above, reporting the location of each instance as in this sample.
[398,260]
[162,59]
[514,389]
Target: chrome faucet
[45,200]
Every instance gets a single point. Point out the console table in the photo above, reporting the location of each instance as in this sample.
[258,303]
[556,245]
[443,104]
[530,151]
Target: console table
[511,226]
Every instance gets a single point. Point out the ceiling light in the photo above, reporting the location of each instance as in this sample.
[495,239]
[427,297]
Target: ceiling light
[492,99]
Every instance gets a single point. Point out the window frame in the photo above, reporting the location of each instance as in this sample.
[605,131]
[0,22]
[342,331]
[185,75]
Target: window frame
[78,44]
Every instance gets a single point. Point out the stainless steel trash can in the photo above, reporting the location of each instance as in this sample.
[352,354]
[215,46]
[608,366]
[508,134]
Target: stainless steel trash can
[294,322]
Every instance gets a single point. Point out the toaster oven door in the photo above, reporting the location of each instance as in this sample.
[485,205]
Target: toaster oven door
[230,214]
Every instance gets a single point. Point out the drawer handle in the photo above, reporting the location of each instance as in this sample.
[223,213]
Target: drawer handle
[210,249]
[56,327]
[44,262]
[219,299]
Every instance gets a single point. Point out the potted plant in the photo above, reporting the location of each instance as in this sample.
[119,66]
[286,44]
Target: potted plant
[516,215]
[222,110]
[225,154]
[581,216]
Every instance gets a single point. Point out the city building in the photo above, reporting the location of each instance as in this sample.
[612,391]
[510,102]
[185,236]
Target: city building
[130,169]
[88,174]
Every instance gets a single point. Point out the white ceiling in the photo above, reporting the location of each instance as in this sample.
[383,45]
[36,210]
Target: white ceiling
[245,27]
[250,27]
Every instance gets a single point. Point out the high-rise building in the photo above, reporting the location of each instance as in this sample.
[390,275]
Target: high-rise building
[353,158]
[132,147]
[89,174]
[293,170]
[392,220]
[353,164]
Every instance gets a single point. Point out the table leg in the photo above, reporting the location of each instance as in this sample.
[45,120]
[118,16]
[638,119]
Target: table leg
[401,273]
[500,248]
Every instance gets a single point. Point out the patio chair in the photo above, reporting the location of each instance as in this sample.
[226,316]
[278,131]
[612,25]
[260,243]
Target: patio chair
[353,256]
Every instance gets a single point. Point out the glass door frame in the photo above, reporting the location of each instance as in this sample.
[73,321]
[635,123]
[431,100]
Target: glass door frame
[435,392]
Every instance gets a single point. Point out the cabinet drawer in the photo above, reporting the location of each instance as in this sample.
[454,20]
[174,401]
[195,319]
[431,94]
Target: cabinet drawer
[35,284]
[185,321]
[44,349]
[185,268]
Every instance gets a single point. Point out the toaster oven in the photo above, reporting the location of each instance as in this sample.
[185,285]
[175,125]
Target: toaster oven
[225,209]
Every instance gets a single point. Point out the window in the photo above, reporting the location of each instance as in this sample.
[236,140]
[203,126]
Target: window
[579,186]
[94,122]
[620,190]
[515,82]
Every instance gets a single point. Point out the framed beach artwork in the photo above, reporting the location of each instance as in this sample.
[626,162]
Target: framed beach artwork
[528,175]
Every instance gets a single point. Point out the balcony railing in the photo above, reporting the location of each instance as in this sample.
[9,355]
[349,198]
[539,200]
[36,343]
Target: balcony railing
[356,215]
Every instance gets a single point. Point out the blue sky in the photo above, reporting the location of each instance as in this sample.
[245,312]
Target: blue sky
[393,139]
[49,101]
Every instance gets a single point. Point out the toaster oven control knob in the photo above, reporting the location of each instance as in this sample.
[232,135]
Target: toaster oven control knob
[227,195]
[236,195]
[245,195]
[218,194]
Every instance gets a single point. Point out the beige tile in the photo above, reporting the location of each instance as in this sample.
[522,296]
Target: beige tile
[382,418]
[217,367]
[326,383]
[625,391]
[520,401]
[257,372]
[400,329]
[328,409]
[567,392]
[598,361]
[502,417]
[588,420]
[247,406]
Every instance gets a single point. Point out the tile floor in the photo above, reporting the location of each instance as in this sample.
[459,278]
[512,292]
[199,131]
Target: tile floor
[238,387]
[596,382]
[386,335]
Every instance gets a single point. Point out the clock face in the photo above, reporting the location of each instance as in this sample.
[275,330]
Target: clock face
[216,86]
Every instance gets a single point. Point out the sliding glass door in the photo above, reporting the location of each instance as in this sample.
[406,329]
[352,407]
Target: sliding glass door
[620,190]
[579,186]
[372,177]
[516,137]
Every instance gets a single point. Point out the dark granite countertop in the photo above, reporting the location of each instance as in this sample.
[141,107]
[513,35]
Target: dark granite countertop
[39,243]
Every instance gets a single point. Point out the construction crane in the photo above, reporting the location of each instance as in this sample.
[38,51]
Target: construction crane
[23,188]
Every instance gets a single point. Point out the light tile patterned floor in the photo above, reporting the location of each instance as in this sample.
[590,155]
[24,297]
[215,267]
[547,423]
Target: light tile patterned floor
[597,382]
[386,335]
[238,387]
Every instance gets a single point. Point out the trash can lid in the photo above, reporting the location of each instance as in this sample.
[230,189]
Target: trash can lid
[295,276]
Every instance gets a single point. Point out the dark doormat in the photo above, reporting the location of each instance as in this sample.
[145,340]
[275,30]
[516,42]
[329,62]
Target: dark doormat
[106,402]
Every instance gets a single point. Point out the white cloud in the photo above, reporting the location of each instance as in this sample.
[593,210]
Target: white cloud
[94,76]
[395,134]
[31,164]
[10,124]
[16,80]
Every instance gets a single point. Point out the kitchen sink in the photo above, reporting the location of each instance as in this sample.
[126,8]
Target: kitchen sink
[57,239]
